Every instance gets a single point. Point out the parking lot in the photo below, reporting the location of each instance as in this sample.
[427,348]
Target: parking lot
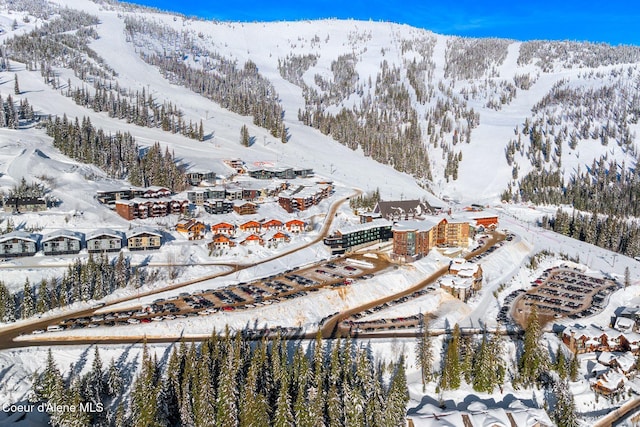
[563,292]
[293,283]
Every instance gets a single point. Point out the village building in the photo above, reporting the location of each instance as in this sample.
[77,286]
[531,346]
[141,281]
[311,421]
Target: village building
[588,339]
[272,224]
[414,239]
[191,229]
[609,382]
[220,241]
[251,227]
[223,228]
[104,240]
[252,240]
[304,197]
[195,177]
[276,237]
[463,279]
[242,207]
[143,238]
[237,165]
[398,210]
[142,209]
[62,242]
[156,192]
[295,226]
[217,207]
[25,204]
[354,237]
[18,244]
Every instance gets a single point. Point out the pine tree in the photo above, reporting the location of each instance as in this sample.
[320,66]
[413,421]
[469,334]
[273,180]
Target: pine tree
[482,380]
[283,416]
[424,353]
[114,380]
[450,379]
[144,395]
[533,359]
[561,363]
[398,396]
[28,304]
[564,413]
[227,394]
[16,87]
[627,277]
[244,136]
[574,368]
[204,412]
[43,303]
[44,383]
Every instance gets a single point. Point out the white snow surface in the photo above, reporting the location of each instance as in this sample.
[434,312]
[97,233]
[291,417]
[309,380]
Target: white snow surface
[29,154]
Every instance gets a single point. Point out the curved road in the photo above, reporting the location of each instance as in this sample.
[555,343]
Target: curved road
[10,332]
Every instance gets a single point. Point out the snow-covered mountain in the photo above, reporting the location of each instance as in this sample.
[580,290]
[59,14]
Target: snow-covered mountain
[463,118]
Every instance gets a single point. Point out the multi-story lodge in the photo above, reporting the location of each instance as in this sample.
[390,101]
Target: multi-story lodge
[353,237]
[303,197]
[218,206]
[19,243]
[414,239]
[141,208]
[143,238]
[25,204]
[195,177]
[110,197]
[104,240]
[62,242]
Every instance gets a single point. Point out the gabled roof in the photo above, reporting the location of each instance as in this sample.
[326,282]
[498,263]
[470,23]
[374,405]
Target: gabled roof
[104,232]
[143,230]
[22,235]
[223,224]
[62,233]
[394,208]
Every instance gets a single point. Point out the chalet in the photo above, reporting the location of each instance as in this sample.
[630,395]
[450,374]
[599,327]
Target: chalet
[287,203]
[223,228]
[251,227]
[623,362]
[276,237]
[608,383]
[252,240]
[295,226]
[403,209]
[251,194]
[62,242]
[143,238]
[589,339]
[244,208]
[104,240]
[218,207]
[191,228]
[356,236]
[272,224]
[19,243]
[221,241]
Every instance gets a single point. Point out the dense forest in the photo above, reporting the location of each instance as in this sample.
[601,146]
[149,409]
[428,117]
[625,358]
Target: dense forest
[118,155]
[83,281]
[230,381]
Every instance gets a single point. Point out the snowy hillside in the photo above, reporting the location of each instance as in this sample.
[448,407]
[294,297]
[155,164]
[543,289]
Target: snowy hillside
[463,98]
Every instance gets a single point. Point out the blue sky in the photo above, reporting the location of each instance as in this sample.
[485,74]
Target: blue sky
[612,21]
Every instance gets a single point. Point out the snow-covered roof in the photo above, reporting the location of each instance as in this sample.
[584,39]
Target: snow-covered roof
[22,235]
[104,232]
[425,225]
[455,282]
[143,230]
[624,324]
[62,233]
